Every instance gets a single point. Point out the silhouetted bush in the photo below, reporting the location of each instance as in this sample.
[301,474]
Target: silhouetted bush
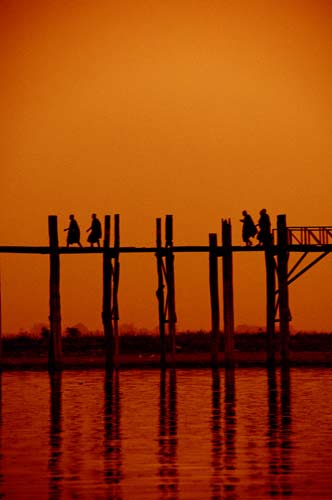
[45,333]
[73,332]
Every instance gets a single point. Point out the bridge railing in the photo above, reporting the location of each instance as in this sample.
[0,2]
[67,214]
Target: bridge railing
[308,235]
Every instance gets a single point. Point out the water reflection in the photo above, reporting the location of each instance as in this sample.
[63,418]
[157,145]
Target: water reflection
[168,440]
[112,435]
[279,434]
[2,495]
[230,478]
[167,435]
[55,438]
[216,438]
[286,432]
[272,432]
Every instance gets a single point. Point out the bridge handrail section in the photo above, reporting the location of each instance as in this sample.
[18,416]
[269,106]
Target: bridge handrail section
[308,235]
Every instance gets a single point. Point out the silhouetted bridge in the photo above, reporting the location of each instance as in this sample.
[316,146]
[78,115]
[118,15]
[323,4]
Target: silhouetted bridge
[317,239]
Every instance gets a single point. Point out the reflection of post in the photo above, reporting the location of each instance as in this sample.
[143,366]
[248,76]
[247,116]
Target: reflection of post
[54,467]
[167,454]
[2,494]
[230,434]
[112,435]
[173,425]
[216,437]
[286,432]
[162,436]
[272,433]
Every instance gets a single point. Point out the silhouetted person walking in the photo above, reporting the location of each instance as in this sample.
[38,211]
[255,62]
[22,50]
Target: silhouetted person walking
[248,228]
[95,231]
[264,235]
[73,232]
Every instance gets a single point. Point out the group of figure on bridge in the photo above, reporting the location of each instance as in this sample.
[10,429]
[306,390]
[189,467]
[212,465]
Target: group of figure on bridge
[249,228]
[74,234]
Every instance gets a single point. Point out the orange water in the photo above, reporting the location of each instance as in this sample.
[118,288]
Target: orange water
[184,434]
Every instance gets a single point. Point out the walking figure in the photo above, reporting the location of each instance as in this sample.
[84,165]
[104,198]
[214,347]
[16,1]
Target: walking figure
[95,231]
[73,235]
[248,228]
[264,235]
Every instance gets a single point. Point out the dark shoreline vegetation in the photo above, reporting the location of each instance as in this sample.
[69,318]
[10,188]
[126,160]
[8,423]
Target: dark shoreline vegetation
[146,343]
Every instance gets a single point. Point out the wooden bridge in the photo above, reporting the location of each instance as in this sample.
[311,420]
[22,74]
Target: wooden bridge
[305,240]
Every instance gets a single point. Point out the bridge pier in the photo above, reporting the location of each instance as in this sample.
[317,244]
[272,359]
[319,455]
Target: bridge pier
[270,306]
[284,311]
[107,296]
[55,348]
[227,265]
[214,299]
[116,278]
[160,294]
[170,285]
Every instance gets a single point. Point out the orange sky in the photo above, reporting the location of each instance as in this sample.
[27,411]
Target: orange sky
[142,109]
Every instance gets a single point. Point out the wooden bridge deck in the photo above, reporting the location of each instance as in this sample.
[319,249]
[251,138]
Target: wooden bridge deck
[46,250]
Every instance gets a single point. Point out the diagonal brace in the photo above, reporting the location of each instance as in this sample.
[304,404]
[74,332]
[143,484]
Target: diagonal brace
[297,264]
[309,266]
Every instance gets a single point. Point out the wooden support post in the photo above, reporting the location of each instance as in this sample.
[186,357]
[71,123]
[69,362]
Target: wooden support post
[116,276]
[284,313]
[0,320]
[55,349]
[107,296]
[227,265]
[160,294]
[170,285]
[214,298]
[270,305]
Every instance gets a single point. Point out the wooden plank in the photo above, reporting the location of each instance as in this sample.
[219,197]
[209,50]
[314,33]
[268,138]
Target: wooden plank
[176,249]
[55,348]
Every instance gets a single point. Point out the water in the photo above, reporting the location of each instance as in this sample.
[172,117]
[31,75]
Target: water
[186,434]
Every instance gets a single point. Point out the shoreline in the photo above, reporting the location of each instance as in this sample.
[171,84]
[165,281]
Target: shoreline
[148,360]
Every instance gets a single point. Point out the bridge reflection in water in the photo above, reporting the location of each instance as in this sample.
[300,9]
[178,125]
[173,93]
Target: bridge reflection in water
[171,434]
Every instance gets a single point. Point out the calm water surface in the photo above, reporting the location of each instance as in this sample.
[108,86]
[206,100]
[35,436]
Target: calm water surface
[184,434]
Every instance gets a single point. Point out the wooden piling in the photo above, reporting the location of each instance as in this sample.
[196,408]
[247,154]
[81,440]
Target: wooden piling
[227,265]
[270,305]
[107,296]
[116,277]
[0,320]
[170,285]
[214,299]
[160,294]
[284,312]
[55,348]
